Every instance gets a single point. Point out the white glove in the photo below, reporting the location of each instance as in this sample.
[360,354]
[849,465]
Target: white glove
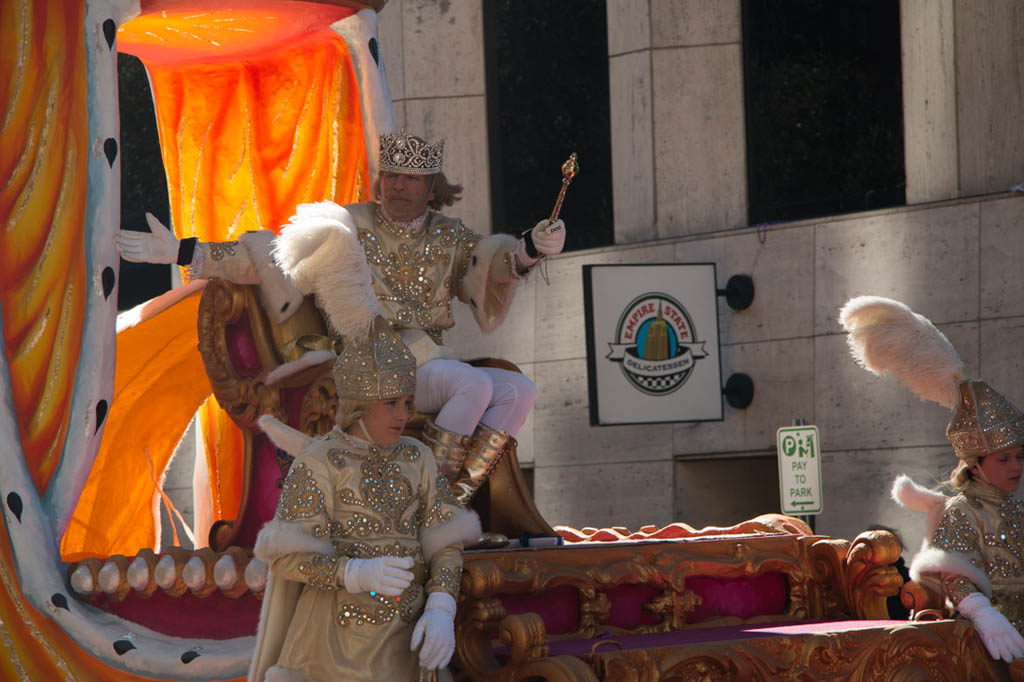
[1000,638]
[436,629]
[159,245]
[548,239]
[385,574]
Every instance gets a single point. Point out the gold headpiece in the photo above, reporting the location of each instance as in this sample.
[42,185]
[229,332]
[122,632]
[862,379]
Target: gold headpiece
[404,153]
[887,337]
[983,422]
[378,367]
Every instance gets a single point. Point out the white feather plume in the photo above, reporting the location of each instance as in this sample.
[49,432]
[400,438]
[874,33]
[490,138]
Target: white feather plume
[320,250]
[887,336]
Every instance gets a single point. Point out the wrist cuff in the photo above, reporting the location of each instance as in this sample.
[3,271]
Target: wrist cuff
[186,249]
[528,245]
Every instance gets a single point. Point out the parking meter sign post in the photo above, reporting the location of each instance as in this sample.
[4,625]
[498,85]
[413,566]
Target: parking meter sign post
[799,470]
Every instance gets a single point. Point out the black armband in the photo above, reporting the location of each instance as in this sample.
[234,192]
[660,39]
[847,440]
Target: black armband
[186,249]
[531,249]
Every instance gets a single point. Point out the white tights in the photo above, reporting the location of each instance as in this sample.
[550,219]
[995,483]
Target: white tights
[463,395]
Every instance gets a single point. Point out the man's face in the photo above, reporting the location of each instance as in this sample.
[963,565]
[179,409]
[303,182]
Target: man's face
[404,197]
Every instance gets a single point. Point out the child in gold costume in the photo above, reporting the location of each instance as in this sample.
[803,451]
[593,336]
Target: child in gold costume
[365,550]
[974,544]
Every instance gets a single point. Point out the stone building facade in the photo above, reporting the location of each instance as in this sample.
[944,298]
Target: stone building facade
[677,138]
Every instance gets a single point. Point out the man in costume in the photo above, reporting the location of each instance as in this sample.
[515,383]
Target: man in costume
[974,544]
[365,549]
[420,260]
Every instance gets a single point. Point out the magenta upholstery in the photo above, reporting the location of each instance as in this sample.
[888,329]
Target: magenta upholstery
[765,594]
[559,607]
[212,617]
[242,348]
[745,597]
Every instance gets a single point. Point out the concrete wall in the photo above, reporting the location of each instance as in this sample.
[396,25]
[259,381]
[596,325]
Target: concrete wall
[433,53]
[679,179]
[963,91]
[676,90]
[954,262]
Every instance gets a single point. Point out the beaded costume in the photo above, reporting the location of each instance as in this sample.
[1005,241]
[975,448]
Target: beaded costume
[347,499]
[974,542]
[344,499]
[979,546]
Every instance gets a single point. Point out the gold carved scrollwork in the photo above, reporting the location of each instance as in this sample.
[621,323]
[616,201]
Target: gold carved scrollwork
[525,636]
[594,609]
[936,652]
[674,607]
[856,578]
[245,399]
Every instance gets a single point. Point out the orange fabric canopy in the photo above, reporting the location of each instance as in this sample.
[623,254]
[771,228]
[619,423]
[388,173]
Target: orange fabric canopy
[258,111]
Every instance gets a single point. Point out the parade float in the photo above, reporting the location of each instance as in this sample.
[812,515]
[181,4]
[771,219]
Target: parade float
[260,108]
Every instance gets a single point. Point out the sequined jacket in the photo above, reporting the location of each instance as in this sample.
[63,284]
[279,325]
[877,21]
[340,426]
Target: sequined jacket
[416,274]
[978,546]
[338,502]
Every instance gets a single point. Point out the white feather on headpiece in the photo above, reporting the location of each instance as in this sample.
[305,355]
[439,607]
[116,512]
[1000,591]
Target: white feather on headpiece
[320,250]
[887,336]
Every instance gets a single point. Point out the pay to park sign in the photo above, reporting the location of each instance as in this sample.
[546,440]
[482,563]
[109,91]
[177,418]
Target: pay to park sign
[799,469]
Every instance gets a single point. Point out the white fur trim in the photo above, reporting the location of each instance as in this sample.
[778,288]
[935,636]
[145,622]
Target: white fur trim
[887,336]
[309,359]
[935,560]
[913,496]
[278,538]
[463,528]
[488,301]
[279,674]
[283,436]
[320,251]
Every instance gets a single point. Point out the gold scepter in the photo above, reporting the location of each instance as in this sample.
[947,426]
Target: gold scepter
[569,170]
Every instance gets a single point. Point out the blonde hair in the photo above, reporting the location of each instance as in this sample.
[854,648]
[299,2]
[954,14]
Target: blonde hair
[350,410]
[961,475]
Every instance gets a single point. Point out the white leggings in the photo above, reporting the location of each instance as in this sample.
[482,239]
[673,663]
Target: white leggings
[463,395]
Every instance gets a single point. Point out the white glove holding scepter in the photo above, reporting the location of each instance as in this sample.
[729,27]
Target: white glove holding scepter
[159,245]
[548,236]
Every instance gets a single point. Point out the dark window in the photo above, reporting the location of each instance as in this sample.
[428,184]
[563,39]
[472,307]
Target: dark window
[143,181]
[547,96]
[824,107]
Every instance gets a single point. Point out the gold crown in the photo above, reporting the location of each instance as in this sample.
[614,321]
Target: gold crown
[404,153]
[983,422]
[379,367]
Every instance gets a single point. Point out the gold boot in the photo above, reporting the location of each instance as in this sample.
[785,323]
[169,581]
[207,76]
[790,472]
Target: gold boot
[449,450]
[486,447]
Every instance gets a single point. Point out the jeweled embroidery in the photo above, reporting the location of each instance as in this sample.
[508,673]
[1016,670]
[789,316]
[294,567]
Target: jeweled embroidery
[955,532]
[301,498]
[416,279]
[321,569]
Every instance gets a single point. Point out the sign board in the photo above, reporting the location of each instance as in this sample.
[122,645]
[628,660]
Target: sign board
[799,469]
[652,343]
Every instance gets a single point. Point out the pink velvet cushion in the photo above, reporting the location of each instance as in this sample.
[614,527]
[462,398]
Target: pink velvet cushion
[745,597]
